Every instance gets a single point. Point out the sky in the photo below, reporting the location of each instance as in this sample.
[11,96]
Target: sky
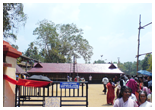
[110,28]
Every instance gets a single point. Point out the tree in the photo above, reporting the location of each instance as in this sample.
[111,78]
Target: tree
[129,68]
[73,43]
[145,64]
[99,62]
[32,52]
[48,41]
[61,42]
[150,64]
[13,17]
[15,46]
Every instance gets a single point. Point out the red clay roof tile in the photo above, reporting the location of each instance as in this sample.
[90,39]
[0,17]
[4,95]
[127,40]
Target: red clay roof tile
[79,68]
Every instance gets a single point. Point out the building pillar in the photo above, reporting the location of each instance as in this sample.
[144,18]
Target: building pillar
[10,56]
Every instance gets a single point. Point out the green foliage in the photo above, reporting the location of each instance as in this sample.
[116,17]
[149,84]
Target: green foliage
[73,43]
[99,62]
[13,17]
[130,68]
[59,43]
[32,52]
[48,41]
[150,63]
[114,62]
[145,62]
[15,46]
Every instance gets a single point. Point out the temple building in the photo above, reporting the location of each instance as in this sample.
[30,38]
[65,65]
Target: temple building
[60,71]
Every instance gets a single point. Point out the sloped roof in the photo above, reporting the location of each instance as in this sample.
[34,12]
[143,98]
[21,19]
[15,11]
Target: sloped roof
[79,68]
[8,50]
[19,70]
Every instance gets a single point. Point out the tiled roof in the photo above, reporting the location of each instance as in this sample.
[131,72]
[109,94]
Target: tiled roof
[19,70]
[8,50]
[79,68]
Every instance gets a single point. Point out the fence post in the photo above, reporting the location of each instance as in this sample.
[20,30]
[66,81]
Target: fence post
[19,87]
[15,95]
[60,97]
[48,91]
[52,89]
[43,96]
[86,94]
[56,89]
[82,89]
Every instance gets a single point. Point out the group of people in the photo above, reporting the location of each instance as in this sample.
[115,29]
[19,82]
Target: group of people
[76,79]
[130,91]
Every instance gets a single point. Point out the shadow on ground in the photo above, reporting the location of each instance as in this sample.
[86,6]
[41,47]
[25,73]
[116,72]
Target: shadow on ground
[107,105]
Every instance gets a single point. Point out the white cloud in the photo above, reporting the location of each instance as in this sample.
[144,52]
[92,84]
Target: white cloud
[146,43]
[112,39]
[65,12]
[119,45]
[22,43]
[86,28]
[117,8]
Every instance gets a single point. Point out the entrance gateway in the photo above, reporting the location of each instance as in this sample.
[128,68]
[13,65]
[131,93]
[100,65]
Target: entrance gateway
[57,93]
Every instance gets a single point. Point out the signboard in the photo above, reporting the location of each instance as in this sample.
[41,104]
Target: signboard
[69,85]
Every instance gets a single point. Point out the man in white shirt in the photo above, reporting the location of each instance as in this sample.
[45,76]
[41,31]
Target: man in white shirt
[105,80]
[90,79]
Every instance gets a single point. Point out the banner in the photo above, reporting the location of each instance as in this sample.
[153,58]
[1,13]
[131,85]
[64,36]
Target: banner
[25,82]
[69,85]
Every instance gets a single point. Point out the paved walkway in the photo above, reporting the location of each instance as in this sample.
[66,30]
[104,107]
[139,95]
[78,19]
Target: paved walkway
[97,98]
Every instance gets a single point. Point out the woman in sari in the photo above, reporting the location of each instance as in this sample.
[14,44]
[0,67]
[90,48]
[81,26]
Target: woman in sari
[133,85]
[110,93]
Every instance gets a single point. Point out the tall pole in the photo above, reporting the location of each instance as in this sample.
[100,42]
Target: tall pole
[138,42]
[140,27]
[73,67]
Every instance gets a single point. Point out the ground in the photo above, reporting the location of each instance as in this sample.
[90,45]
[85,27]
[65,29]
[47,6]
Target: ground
[97,98]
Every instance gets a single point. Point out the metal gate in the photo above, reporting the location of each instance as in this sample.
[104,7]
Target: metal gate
[37,96]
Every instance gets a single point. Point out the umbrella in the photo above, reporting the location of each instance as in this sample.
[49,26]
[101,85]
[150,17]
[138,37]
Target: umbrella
[144,72]
[39,77]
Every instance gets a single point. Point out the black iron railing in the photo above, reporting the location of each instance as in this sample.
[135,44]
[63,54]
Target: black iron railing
[36,96]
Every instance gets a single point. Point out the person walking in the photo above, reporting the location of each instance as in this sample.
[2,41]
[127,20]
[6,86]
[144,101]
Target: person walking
[75,79]
[68,78]
[105,80]
[118,88]
[124,99]
[150,81]
[145,88]
[133,85]
[110,93]
[90,79]
[145,81]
